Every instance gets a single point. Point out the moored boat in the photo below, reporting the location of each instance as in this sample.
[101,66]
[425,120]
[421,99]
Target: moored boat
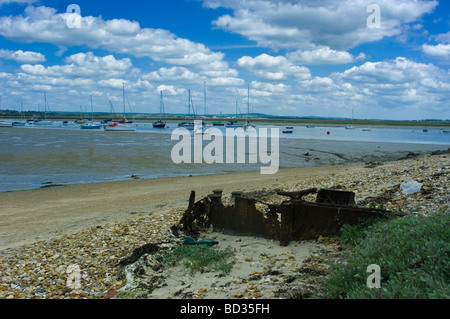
[160,123]
[5,124]
[124,127]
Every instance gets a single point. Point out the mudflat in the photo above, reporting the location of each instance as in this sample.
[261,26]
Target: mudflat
[40,214]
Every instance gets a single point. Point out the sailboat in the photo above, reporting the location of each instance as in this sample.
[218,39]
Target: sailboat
[122,125]
[350,127]
[44,121]
[160,123]
[249,123]
[3,123]
[22,122]
[188,125]
[234,123]
[90,125]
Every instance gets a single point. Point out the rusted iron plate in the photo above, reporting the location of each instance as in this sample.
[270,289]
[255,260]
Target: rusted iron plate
[292,220]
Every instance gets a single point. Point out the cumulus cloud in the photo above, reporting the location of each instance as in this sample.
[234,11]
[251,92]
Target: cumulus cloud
[398,83]
[324,55]
[22,57]
[43,24]
[339,25]
[273,68]
[174,74]
[82,65]
[170,90]
[440,51]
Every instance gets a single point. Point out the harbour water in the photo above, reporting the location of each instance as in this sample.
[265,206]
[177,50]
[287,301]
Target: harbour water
[34,157]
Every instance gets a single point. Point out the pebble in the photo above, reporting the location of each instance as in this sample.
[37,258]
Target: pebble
[39,270]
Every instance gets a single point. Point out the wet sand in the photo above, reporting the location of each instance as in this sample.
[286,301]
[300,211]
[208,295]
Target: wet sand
[31,215]
[41,214]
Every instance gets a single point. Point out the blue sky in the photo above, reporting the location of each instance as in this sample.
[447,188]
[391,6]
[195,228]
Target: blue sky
[300,58]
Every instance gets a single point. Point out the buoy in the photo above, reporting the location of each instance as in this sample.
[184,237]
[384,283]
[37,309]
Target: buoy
[328,133]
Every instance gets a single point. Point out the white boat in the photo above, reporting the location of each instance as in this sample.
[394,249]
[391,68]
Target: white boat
[249,123]
[118,126]
[5,124]
[188,125]
[44,121]
[122,126]
[90,125]
[22,122]
[160,123]
[350,127]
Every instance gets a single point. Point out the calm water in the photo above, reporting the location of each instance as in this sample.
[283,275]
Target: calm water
[33,157]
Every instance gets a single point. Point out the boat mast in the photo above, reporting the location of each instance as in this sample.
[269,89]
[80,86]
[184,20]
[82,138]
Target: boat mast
[248,102]
[123,98]
[45,105]
[189,102]
[92,110]
[205,107]
[161,106]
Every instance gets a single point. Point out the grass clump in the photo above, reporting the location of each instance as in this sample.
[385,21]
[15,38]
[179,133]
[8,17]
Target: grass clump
[413,254]
[201,258]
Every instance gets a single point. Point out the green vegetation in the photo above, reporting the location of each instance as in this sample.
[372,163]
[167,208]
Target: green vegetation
[201,258]
[413,254]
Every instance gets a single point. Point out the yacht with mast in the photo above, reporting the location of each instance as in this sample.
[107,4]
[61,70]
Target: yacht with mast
[160,123]
[43,121]
[234,123]
[122,125]
[188,124]
[249,123]
[350,127]
[90,125]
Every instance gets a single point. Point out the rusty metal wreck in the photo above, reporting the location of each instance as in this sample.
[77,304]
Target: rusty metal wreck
[294,219]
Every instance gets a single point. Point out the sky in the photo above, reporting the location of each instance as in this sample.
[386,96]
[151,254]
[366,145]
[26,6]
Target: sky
[375,59]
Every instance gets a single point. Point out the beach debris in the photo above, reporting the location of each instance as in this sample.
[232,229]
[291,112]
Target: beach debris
[292,220]
[410,187]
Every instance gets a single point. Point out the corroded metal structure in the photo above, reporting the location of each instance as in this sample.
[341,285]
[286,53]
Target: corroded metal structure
[292,220]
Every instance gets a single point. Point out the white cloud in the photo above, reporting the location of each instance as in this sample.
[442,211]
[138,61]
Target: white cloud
[21,56]
[270,68]
[324,55]
[112,83]
[174,74]
[440,51]
[43,24]
[170,90]
[339,25]
[399,83]
[2,2]
[82,65]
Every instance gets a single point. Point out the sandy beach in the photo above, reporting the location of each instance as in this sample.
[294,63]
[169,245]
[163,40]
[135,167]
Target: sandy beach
[41,214]
[43,231]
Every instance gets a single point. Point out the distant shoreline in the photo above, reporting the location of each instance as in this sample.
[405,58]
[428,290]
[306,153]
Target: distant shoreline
[271,120]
